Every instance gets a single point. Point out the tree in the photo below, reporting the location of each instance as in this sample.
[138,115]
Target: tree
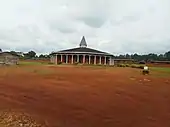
[44,56]
[122,56]
[41,56]
[161,57]
[128,56]
[167,55]
[151,57]
[13,52]
[30,54]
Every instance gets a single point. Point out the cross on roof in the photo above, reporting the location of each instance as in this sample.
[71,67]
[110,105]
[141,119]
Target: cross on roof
[83,43]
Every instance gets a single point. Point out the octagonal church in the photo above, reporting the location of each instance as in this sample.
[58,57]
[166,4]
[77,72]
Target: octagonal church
[82,55]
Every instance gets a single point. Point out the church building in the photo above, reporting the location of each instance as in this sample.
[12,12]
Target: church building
[82,55]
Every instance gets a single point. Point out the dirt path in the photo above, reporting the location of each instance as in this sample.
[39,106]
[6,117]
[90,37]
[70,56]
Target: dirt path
[86,96]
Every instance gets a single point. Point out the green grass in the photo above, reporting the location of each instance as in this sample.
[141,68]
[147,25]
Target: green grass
[32,63]
[160,71]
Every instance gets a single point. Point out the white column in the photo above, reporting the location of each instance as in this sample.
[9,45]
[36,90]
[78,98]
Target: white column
[94,59]
[110,61]
[84,59]
[105,60]
[100,60]
[78,58]
[89,59]
[61,58]
[66,59]
[51,59]
[56,61]
[72,60]
[113,62]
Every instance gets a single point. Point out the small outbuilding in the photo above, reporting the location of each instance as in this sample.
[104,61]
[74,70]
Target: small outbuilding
[7,58]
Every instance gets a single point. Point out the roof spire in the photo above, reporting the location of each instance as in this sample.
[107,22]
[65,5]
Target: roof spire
[83,43]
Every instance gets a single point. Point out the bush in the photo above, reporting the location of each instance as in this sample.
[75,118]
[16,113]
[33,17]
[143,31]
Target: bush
[137,66]
[50,63]
[127,65]
[121,65]
[141,67]
[59,62]
[133,66]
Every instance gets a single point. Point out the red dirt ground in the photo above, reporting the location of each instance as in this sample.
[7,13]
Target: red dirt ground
[86,96]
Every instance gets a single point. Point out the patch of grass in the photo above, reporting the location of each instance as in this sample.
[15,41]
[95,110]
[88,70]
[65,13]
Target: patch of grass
[131,65]
[160,71]
[32,63]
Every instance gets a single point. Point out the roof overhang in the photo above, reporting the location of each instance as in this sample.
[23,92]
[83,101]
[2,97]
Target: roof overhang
[83,53]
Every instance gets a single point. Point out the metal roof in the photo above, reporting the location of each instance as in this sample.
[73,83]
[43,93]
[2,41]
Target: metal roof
[2,53]
[82,50]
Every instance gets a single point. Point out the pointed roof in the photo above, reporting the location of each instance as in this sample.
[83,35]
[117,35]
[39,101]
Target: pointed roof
[83,42]
[82,50]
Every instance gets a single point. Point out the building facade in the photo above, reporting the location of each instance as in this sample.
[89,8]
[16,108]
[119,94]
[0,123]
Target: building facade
[82,55]
[6,58]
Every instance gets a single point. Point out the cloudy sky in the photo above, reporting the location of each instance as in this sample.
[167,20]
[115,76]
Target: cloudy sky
[115,26]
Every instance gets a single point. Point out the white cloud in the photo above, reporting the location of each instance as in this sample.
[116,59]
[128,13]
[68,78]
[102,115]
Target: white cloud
[124,26]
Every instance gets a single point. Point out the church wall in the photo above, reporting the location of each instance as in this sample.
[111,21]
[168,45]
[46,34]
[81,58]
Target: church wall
[83,60]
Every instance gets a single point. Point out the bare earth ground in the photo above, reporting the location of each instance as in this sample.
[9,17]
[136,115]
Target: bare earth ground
[68,96]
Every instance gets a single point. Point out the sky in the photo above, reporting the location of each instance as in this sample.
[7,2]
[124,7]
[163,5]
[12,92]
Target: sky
[114,26]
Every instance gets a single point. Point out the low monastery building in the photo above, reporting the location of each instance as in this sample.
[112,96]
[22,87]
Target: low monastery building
[82,55]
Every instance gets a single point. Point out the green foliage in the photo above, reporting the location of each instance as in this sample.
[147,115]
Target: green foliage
[161,69]
[44,56]
[59,62]
[121,65]
[30,54]
[30,63]
[13,53]
[127,65]
[141,67]
[167,55]
[50,63]
[137,66]
[147,57]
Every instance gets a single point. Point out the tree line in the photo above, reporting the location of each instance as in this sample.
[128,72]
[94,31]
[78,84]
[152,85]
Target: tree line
[30,55]
[137,57]
[147,57]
